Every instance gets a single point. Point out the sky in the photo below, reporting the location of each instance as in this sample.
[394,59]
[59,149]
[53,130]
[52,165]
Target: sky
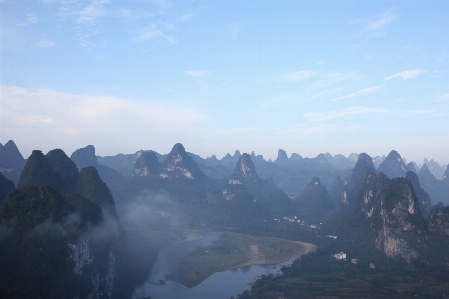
[308,77]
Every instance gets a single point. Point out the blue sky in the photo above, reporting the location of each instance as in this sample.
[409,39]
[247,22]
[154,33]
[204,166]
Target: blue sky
[304,76]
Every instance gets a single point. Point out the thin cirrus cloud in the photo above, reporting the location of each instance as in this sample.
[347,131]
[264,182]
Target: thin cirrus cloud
[72,118]
[44,44]
[152,32]
[344,112]
[420,112]
[234,30]
[200,73]
[376,27]
[297,76]
[84,14]
[442,97]
[358,93]
[405,75]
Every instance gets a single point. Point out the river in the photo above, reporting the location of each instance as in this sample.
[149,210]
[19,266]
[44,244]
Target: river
[221,285]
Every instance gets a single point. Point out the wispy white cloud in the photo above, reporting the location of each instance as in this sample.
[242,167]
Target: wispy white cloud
[306,131]
[67,120]
[86,17]
[44,43]
[358,93]
[186,17]
[84,14]
[354,127]
[298,76]
[382,21]
[375,26]
[200,73]
[330,78]
[344,112]
[32,18]
[202,77]
[442,97]
[152,32]
[420,111]
[405,75]
[234,30]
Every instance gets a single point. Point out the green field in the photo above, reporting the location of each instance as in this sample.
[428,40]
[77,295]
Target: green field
[236,250]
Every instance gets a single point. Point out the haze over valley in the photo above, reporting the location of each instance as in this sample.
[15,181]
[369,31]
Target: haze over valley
[224,149]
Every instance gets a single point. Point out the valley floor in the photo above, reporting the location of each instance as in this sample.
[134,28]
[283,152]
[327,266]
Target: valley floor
[235,251]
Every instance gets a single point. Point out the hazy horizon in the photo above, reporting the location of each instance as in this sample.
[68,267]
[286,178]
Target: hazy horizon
[308,77]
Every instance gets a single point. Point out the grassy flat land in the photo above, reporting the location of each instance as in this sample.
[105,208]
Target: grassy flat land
[237,250]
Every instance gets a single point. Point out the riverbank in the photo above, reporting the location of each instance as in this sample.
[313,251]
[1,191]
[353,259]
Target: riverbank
[235,251]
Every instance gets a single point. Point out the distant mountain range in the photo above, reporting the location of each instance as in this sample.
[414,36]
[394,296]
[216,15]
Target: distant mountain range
[74,208]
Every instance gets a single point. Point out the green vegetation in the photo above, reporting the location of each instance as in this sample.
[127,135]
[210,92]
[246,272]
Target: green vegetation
[38,171]
[318,275]
[236,250]
[65,167]
[33,254]
[92,187]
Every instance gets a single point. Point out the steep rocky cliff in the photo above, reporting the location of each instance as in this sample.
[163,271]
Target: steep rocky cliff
[52,247]
[146,164]
[179,164]
[439,221]
[393,166]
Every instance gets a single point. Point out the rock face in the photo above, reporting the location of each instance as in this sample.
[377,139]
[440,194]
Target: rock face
[438,190]
[11,161]
[39,171]
[314,203]
[92,187]
[411,167]
[10,156]
[434,168]
[339,161]
[393,166]
[6,186]
[446,176]
[392,211]
[421,195]
[146,164]
[353,157]
[229,160]
[282,157]
[335,192]
[378,160]
[295,157]
[234,188]
[65,167]
[85,157]
[59,257]
[179,164]
[439,221]
[244,180]
[245,170]
[362,168]
[244,174]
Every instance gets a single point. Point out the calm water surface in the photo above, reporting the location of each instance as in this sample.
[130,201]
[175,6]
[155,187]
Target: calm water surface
[221,285]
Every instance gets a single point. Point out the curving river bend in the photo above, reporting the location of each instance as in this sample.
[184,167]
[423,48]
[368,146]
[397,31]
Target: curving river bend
[221,285]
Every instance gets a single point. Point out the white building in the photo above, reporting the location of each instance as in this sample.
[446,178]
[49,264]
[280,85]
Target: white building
[340,256]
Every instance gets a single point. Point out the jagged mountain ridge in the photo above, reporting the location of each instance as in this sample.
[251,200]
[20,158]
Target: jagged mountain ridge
[146,164]
[314,203]
[85,157]
[393,166]
[58,247]
[386,217]
[438,190]
[11,161]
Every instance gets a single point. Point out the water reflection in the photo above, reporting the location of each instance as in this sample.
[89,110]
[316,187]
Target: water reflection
[221,285]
